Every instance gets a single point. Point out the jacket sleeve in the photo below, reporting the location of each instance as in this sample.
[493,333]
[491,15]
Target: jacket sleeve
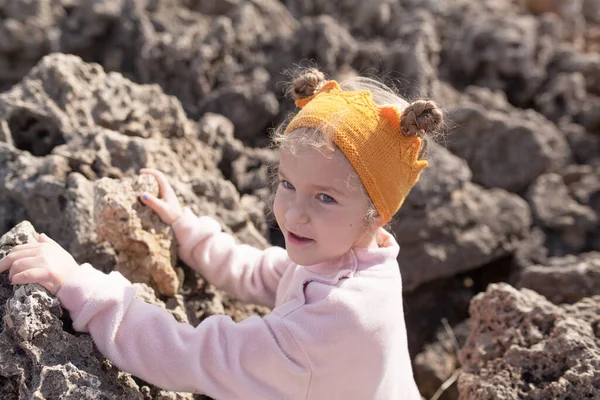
[255,359]
[249,274]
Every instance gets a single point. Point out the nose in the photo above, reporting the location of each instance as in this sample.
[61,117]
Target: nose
[297,211]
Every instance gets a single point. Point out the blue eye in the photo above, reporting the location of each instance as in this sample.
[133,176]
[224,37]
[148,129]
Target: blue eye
[325,198]
[286,185]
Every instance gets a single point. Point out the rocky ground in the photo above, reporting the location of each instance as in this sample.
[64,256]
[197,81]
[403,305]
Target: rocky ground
[500,238]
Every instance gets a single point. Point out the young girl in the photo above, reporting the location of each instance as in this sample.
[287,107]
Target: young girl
[337,329]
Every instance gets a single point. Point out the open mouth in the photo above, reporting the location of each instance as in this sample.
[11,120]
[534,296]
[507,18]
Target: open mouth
[298,239]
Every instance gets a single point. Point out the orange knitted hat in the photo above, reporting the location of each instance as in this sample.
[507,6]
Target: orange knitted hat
[370,137]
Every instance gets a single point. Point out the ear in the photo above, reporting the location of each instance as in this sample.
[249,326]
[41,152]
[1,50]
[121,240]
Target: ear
[377,221]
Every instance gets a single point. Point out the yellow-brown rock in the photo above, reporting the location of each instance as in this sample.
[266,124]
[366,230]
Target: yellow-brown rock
[145,245]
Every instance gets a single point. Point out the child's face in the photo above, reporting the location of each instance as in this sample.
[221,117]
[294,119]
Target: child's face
[320,212]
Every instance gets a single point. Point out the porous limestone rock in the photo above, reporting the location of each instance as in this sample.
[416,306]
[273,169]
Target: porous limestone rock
[32,29]
[144,244]
[40,188]
[448,225]
[585,146]
[39,358]
[436,368]
[563,98]
[411,54]
[591,10]
[565,279]
[561,8]
[71,104]
[507,52]
[556,210]
[362,18]
[522,346]
[486,139]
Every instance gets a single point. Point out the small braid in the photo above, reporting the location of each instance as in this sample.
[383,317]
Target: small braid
[307,83]
[419,119]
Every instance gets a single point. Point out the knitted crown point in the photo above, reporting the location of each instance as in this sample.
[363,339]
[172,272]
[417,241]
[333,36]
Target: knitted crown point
[412,147]
[392,114]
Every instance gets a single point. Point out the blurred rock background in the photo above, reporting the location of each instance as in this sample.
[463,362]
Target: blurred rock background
[500,239]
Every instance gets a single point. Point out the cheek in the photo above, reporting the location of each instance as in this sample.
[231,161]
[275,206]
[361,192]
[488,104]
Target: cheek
[342,226]
[278,206]
[355,225]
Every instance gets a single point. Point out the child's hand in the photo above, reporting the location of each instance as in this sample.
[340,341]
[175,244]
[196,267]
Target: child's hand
[43,262]
[167,207]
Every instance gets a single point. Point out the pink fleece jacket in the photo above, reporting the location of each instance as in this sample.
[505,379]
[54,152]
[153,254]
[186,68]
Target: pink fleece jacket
[336,330]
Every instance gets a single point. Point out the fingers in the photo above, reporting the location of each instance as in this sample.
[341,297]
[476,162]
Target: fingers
[44,262]
[45,238]
[26,246]
[15,255]
[153,202]
[35,275]
[167,207]
[27,260]
[165,188]
[158,206]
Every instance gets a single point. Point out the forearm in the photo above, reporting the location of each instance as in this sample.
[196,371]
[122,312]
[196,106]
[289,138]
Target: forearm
[243,271]
[129,332]
[258,355]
